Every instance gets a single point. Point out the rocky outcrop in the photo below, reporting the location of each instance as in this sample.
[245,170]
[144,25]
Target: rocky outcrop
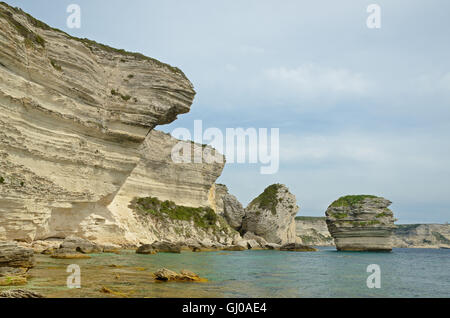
[295,247]
[157,175]
[146,249]
[12,255]
[361,223]
[313,231]
[422,236]
[271,215]
[80,245]
[217,193]
[233,211]
[15,261]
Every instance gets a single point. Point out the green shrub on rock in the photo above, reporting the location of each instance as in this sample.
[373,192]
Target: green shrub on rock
[268,199]
[203,217]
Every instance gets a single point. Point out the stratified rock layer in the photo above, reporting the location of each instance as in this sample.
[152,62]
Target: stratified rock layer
[157,175]
[271,215]
[233,211]
[12,255]
[73,114]
[361,223]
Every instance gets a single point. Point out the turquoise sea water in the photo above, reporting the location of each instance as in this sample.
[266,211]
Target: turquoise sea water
[327,273]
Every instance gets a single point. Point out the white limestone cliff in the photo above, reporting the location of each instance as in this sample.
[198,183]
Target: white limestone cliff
[73,116]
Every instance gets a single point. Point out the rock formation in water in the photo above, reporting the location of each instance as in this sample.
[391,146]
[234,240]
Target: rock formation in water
[77,143]
[313,231]
[271,215]
[361,223]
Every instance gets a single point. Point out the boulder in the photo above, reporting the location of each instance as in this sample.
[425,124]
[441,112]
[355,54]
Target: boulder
[80,245]
[51,244]
[166,247]
[12,255]
[68,253]
[167,275]
[189,276]
[252,236]
[146,249]
[252,244]
[233,211]
[271,215]
[361,223]
[295,247]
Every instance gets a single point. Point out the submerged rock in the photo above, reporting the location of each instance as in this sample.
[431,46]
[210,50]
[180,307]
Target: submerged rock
[271,215]
[361,223]
[19,293]
[12,271]
[13,280]
[167,275]
[295,247]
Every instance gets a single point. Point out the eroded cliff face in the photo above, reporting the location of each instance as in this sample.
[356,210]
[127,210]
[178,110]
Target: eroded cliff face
[73,115]
[186,184]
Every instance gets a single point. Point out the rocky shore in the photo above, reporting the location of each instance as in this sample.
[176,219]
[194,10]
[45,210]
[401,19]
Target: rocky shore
[84,171]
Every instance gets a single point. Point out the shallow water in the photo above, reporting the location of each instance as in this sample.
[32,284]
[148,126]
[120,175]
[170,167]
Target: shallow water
[327,273]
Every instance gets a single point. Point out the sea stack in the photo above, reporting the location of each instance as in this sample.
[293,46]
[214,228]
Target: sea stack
[272,215]
[361,223]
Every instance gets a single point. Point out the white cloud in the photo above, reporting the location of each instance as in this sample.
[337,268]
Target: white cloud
[332,148]
[312,81]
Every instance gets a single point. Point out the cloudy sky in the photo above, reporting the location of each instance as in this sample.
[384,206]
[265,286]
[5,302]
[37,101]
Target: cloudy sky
[360,111]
